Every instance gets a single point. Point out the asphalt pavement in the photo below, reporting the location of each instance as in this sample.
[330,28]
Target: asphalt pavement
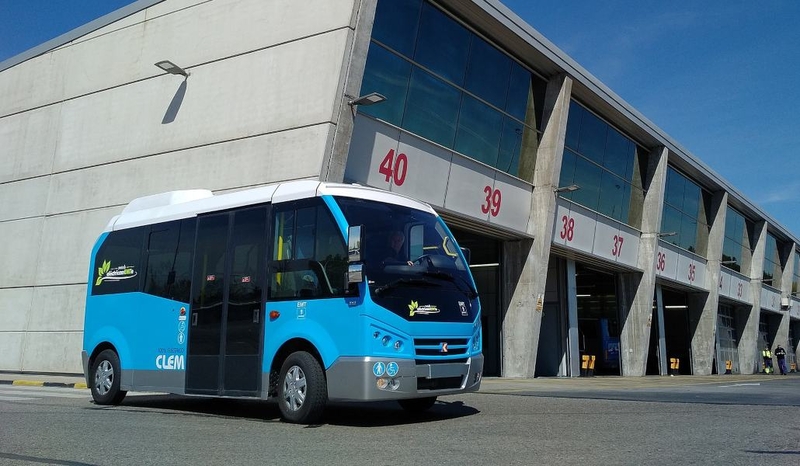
[491,385]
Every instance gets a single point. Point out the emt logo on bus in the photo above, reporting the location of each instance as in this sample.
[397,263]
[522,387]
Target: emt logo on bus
[173,361]
[106,273]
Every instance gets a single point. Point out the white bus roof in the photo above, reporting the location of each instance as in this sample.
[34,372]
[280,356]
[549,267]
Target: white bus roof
[176,205]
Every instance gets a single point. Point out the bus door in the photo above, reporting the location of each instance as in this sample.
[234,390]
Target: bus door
[226,319]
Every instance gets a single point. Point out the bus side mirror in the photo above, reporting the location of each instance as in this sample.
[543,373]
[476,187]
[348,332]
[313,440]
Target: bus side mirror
[355,273]
[354,243]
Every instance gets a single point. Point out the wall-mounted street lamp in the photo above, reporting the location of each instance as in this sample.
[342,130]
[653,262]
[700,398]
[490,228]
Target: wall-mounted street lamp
[667,233]
[369,99]
[566,189]
[172,68]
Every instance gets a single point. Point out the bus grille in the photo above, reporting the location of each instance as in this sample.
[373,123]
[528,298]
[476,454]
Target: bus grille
[433,350]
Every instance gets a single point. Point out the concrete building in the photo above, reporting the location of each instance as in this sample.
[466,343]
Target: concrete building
[592,232]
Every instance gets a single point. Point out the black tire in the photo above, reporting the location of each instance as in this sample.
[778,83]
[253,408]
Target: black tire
[417,405]
[302,389]
[104,379]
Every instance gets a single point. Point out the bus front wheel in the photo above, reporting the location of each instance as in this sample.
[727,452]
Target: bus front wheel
[105,379]
[417,405]
[302,391]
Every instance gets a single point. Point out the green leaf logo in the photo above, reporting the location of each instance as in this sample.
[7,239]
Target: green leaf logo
[412,307]
[102,271]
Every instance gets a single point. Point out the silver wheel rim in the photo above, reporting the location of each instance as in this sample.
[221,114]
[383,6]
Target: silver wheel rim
[104,377]
[294,388]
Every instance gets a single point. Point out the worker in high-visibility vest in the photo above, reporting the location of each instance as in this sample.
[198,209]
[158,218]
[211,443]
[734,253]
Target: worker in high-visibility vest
[767,355]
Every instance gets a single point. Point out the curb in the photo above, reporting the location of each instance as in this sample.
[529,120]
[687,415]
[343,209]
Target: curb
[37,383]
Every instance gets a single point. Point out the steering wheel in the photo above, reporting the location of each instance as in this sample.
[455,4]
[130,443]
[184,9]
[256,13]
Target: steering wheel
[424,257]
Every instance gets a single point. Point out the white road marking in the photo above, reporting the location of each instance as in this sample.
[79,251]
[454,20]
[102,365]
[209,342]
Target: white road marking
[741,385]
[42,392]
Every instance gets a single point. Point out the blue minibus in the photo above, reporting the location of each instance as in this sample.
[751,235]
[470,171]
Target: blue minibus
[302,291]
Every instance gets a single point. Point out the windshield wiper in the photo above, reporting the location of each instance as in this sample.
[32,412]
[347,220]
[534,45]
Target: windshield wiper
[404,282]
[470,292]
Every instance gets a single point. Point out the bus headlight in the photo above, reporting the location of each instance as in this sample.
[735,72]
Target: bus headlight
[476,336]
[385,340]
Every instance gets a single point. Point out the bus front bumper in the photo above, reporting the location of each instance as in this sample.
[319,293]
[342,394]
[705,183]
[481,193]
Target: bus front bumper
[372,379]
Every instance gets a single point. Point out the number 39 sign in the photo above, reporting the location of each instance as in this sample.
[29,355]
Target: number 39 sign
[493,200]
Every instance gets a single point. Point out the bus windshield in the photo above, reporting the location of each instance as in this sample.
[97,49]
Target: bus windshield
[412,265]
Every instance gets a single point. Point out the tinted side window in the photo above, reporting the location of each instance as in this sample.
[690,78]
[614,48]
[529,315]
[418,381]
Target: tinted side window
[117,267]
[309,258]
[170,248]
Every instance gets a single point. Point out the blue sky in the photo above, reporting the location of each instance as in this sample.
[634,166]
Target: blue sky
[722,78]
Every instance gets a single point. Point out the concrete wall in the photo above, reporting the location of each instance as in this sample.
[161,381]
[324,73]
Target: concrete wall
[91,125]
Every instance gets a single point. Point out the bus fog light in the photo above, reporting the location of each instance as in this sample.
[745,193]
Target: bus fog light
[382,383]
[394,384]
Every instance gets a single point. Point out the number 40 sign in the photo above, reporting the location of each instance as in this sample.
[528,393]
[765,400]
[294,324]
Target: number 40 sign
[394,168]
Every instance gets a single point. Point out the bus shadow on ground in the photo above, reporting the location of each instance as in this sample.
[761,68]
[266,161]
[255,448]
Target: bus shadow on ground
[375,414]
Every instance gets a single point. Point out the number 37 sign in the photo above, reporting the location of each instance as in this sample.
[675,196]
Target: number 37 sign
[578,228]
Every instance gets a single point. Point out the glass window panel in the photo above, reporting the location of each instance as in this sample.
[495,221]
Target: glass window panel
[432,108]
[573,125]
[617,153]
[630,161]
[567,176]
[671,223]
[396,24]
[488,72]
[741,228]
[730,223]
[387,74]
[442,45]
[118,268]
[592,142]
[688,233]
[305,225]
[673,194]
[518,92]
[731,251]
[691,200]
[639,166]
[587,176]
[622,212]
[479,128]
[611,194]
[510,141]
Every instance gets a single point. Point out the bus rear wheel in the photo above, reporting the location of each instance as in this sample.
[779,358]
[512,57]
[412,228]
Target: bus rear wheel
[417,405]
[302,390]
[104,378]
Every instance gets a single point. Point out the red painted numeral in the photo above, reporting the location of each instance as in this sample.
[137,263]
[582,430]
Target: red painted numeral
[662,262]
[740,292]
[394,169]
[568,228]
[493,200]
[617,250]
[691,272]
